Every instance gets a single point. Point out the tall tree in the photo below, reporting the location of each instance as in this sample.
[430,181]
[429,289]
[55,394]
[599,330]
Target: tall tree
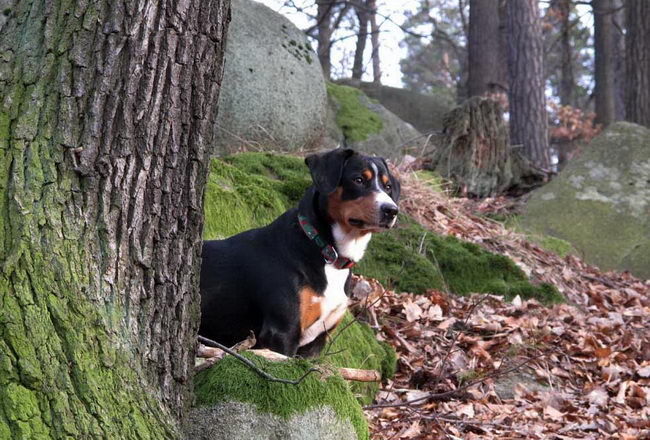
[637,61]
[485,74]
[362,11]
[374,40]
[324,27]
[106,121]
[528,119]
[567,78]
[604,48]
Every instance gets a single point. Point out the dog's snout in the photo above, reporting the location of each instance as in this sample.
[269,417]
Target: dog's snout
[389,211]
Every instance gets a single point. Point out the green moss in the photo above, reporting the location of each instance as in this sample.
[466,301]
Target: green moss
[413,259]
[559,247]
[354,119]
[354,345]
[254,189]
[431,179]
[230,380]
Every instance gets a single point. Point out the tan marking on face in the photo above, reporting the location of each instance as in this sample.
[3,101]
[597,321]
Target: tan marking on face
[367,174]
[385,179]
[341,211]
[310,307]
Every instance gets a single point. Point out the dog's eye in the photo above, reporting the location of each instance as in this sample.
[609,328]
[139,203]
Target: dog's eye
[358,180]
[388,187]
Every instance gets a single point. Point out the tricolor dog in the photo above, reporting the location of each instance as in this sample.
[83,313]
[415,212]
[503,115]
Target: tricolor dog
[288,281]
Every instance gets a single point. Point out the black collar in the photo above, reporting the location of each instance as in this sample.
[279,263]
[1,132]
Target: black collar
[327,250]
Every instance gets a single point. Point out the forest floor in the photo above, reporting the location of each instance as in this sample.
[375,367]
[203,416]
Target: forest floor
[478,367]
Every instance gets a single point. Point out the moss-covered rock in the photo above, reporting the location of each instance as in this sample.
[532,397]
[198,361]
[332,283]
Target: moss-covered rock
[232,381]
[354,345]
[411,258]
[367,125]
[600,202]
[353,118]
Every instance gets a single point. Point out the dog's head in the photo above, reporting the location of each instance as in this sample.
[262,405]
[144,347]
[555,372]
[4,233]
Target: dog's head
[361,192]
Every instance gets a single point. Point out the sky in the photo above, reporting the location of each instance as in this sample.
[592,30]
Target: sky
[390,52]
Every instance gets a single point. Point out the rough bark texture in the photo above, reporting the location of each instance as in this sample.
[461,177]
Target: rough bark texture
[474,153]
[637,62]
[363,15]
[619,59]
[528,119]
[105,126]
[485,74]
[604,50]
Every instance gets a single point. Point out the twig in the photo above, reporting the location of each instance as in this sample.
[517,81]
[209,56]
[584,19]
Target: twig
[252,366]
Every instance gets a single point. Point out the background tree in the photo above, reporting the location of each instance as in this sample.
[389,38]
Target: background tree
[362,11]
[374,38]
[528,118]
[637,61]
[106,123]
[485,73]
[604,47]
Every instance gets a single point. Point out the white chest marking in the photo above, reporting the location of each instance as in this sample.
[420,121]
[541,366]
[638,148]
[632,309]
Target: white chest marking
[348,245]
[333,305]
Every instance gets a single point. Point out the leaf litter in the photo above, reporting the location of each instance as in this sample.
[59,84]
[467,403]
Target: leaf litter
[476,367]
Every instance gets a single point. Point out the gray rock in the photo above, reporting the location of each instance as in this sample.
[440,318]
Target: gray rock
[424,112]
[395,137]
[273,92]
[600,203]
[242,421]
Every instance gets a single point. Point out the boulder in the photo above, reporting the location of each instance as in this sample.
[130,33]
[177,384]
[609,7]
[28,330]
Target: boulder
[600,203]
[424,112]
[233,402]
[368,126]
[273,92]
[243,421]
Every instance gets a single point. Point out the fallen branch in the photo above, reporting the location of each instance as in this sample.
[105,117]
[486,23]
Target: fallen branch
[215,351]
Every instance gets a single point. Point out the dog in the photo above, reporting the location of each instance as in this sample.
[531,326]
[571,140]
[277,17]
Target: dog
[288,282]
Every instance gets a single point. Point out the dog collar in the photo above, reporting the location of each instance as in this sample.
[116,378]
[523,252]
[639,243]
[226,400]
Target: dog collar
[327,250]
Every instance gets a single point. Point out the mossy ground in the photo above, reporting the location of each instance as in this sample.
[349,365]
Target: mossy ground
[354,119]
[559,247]
[412,259]
[230,380]
[354,345]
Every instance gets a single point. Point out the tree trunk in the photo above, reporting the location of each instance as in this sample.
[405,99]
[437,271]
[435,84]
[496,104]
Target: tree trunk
[637,62]
[528,120]
[474,153]
[105,131]
[324,24]
[363,14]
[483,48]
[604,54]
[619,59]
[374,39]
[567,80]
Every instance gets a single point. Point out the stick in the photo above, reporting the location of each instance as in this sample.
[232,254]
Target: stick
[353,374]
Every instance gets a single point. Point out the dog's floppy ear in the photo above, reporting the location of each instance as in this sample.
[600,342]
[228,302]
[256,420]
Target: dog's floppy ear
[393,182]
[326,168]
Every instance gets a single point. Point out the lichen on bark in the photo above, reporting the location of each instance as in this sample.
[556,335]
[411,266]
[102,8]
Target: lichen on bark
[105,121]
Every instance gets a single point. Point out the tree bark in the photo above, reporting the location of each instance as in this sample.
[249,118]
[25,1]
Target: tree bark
[324,26]
[105,132]
[374,39]
[528,119]
[637,62]
[363,14]
[483,48]
[567,80]
[604,56]
[619,59]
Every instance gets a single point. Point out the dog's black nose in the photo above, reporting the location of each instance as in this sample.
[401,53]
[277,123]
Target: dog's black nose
[389,211]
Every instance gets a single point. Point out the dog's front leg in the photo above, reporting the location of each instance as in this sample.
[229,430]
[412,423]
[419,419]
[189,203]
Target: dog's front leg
[280,335]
